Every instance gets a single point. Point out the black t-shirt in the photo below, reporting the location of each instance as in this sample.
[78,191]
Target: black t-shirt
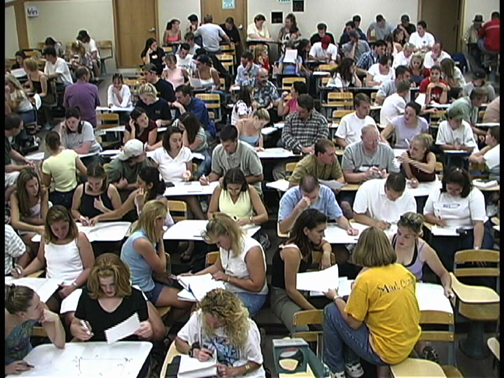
[156,58]
[411,28]
[233,34]
[165,89]
[8,149]
[158,110]
[100,320]
[316,38]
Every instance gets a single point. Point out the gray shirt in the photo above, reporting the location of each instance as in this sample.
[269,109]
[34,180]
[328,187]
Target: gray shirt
[75,140]
[356,160]
[245,158]
[380,32]
[362,47]
[467,89]
[211,35]
[388,88]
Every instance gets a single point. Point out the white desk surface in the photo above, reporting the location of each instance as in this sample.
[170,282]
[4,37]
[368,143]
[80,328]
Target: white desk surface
[190,188]
[113,109]
[37,156]
[88,359]
[103,231]
[337,235]
[113,153]
[269,130]
[424,188]
[276,153]
[488,124]
[191,230]
[18,73]
[457,152]
[120,129]
[44,287]
[439,106]
[321,73]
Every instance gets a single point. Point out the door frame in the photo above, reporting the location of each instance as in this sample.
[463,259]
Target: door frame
[116,30]
[459,45]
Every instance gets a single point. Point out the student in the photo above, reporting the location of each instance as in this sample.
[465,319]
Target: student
[16,251]
[324,51]
[36,78]
[83,95]
[367,158]
[118,93]
[381,27]
[61,167]
[380,203]
[454,133]
[195,138]
[56,69]
[20,57]
[355,47]
[261,57]
[207,75]
[405,126]
[406,26]
[389,87]
[453,76]
[80,57]
[142,128]
[163,87]
[380,72]
[28,207]
[345,75]
[243,106]
[233,153]
[490,154]
[285,108]
[435,89]
[295,256]
[321,32]
[492,112]
[469,106]
[310,194]
[193,23]
[478,80]
[187,103]
[67,256]
[257,30]
[422,39]
[17,100]
[289,31]
[174,74]
[144,254]
[419,162]
[91,48]
[157,108]
[458,205]
[221,325]
[247,68]
[57,46]
[95,196]
[435,56]
[371,57]
[77,134]
[193,43]
[24,309]
[172,33]
[394,105]
[249,129]
[241,263]
[403,58]
[418,71]
[292,68]
[351,125]
[265,93]
[153,54]
[238,199]
[184,58]
[211,35]
[385,339]
[231,30]
[398,41]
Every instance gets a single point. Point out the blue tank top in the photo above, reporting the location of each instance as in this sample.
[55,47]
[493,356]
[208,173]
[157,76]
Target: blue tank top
[253,140]
[141,271]
[17,344]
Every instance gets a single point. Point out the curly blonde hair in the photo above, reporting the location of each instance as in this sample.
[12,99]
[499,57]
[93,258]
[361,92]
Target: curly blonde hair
[229,310]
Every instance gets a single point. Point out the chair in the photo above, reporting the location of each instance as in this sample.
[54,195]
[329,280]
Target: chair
[326,67]
[211,258]
[290,167]
[436,117]
[33,53]
[415,367]
[170,355]
[338,114]
[229,50]
[494,346]
[168,49]
[227,61]
[102,47]
[324,81]
[288,81]
[340,100]
[179,208]
[280,234]
[107,120]
[439,168]
[306,318]
[212,102]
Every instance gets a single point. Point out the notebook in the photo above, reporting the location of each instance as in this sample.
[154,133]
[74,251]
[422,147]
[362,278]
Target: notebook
[196,287]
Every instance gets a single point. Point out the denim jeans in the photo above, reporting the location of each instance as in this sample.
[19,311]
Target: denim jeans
[343,344]
[253,302]
[62,198]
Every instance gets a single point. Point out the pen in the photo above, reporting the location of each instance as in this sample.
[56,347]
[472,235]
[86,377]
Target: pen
[191,292]
[28,365]
[83,323]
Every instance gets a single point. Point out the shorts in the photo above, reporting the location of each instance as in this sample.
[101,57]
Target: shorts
[153,294]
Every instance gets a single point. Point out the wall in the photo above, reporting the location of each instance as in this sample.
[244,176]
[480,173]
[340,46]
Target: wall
[11,36]
[179,9]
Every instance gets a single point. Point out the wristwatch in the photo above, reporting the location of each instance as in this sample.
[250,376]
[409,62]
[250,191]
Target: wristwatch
[75,284]
[191,351]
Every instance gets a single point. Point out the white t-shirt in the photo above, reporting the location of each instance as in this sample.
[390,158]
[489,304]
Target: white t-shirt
[172,169]
[422,42]
[92,47]
[350,127]
[252,29]
[318,52]
[457,211]
[237,267]
[240,109]
[372,201]
[401,60]
[492,157]
[211,35]
[463,135]
[60,67]
[429,61]
[374,71]
[393,106]
[125,94]
[186,63]
[338,82]
[192,332]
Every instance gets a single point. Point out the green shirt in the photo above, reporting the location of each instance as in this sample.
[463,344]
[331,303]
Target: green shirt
[8,149]
[309,165]
[118,169]
[470,112]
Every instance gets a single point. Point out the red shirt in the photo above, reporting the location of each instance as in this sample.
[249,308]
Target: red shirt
[491,32]
[144,137]
[435,92]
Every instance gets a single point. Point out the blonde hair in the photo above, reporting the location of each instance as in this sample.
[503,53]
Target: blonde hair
[30,64]
[409,45]
[412,221]
[78,47]
[374,249]
[419,56]
[11,79]
[230,310]
[147,89]
[424,139]
[109,265]
[262,114]
[152,211]
[221,225]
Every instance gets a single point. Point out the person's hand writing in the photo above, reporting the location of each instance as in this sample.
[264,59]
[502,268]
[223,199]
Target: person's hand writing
[352,231]
[186,176]
[82,332]
[259,148]
[17,367]
[145,330]
[441,222]
[457,146]
[18,271]
[224,371]
[331,294]
[93,221]
[204,180]
[203,354]
[220,276]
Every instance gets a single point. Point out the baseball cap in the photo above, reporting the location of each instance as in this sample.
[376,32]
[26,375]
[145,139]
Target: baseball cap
[132,148]
[478,74]
[455,113]
[325,41]
[478,18]
[404,17]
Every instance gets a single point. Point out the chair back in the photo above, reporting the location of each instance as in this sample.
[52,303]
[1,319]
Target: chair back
[307,318]
[107,120]
[340,100]
[486,256]
[290,167]
[338,114]
[212,103]
[439,319]
[288,81]
[178,210]
[326,67]
[211,258]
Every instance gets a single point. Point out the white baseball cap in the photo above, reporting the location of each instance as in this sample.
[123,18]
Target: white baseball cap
[132,148]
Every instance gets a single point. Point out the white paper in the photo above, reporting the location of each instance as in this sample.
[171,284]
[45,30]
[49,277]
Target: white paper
[444,231]
[431,297]
[337,235]
[191,230]
[113,109]
[343,288]
[321,280]
[193,368]
[70,303]
[420,99]
[268,130]
[488,124]
[333,184]
[199,285]
[282,185]
[290,56]
[484,184]
[44,287]
[102,231]
[123,329]
[275,153]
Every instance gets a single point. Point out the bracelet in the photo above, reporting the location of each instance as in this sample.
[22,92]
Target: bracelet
[251,219]
[247,368]
[75,284]
[228,279]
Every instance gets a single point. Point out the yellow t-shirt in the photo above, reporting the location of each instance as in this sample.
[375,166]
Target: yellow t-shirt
[63,170]
[384,298]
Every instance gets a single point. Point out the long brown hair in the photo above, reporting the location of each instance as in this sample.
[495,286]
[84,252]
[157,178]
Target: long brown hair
[152,211]
[109,265]
[309,218]
[25,175]
[18,298]
[55,214]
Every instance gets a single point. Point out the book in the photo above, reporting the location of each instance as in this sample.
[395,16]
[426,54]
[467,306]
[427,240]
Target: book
[484,183]
[193,368]
[333,184]
[196,287]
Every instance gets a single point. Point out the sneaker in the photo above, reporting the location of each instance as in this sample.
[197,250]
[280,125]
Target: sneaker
[429,353]
[339,374]
[354,370]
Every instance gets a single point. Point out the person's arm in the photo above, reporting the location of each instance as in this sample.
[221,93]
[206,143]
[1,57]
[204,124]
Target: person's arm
[126,207]
[341,304]
[16,156]
[479,232]
[155,259]
[213,207]
[53,328]
[432,259]
[16,219]
[258,205]
[341,142]
[365,219]
[477,157]
[81,168]
[385,134]
[292,260]
[443,99]
[356,177]
[43,85]
[369,80]
[256,269]
[254,179]
[428,167]
[115,198]
[84,148]
[37,263]
[215,76]
[151,139]
[290,142]
[286,223]
[76,202]
[407,169]
[146,58]
[87,257]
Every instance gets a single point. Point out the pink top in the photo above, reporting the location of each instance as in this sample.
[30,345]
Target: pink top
[175,38]
[292,104]
[175,76]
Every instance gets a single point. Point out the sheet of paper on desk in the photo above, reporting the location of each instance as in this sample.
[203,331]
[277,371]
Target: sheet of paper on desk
[420,99]
[431,297]
[199,285]
[44,287]
[444,231]
[70,303]
[123,329]
[320,280]
[333,184]
[193,368]
[488,124]
[484,184]
[282,185]
[343,288]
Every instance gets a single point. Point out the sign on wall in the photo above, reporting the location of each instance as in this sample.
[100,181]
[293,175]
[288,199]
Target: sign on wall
[32,11]
[228,4]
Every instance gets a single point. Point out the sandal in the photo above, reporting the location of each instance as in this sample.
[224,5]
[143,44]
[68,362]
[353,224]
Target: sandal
[429,353]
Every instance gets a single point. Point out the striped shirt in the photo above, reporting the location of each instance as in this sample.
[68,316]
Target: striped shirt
[299,133]
[14,248]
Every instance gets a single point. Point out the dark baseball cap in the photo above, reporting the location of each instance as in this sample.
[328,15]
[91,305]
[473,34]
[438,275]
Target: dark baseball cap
[478,74]
[404,17]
